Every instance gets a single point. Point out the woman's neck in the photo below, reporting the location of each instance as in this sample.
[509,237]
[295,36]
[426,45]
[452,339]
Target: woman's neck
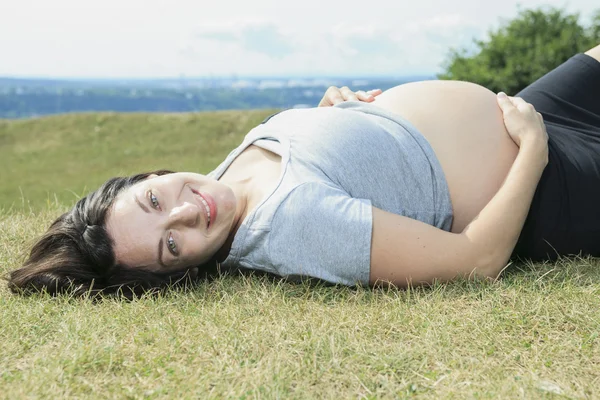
[252,176]
[242,191]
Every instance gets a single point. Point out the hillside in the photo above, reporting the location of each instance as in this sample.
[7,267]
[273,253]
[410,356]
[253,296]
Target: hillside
[64,157]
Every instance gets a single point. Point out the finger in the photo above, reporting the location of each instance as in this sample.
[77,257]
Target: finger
[364,96]
[334,96]
[517,101]
[520,103]
[375,92]
[504,102]
[326,101]
[348,94]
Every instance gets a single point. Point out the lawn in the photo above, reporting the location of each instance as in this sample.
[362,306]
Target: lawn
[532,334]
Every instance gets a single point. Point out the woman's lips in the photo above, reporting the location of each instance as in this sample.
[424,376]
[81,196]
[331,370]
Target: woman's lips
[212,206]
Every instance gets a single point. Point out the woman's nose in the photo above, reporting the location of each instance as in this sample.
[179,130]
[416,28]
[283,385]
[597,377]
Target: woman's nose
[187,214]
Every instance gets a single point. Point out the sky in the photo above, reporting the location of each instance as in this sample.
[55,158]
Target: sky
[225,38]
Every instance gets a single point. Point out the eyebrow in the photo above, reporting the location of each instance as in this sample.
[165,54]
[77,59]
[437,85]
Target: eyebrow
[160,254]
[139,203]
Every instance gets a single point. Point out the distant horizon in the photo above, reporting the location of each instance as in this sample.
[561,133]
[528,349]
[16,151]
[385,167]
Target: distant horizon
[29,97]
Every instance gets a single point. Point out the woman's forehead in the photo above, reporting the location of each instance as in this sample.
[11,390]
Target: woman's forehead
[124,201]
[130,230]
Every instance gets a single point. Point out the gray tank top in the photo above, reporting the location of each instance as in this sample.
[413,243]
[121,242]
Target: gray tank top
[337,163]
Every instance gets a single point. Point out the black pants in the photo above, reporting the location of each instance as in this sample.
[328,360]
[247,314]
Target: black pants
[564,217]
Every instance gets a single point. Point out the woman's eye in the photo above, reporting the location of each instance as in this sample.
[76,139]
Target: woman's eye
[172,246]
[153,200]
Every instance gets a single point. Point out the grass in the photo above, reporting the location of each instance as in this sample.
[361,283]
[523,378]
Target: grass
[532,334]
[61,158]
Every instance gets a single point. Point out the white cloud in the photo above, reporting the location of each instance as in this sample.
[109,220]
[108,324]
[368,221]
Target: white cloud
[448,21]
[259,37]
[251,35]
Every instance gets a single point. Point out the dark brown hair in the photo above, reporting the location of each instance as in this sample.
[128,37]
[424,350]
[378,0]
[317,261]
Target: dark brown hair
[76,256]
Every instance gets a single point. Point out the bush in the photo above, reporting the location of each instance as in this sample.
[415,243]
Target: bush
[523,49]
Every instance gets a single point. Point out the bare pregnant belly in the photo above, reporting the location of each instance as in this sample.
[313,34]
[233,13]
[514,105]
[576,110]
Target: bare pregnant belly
[463,124]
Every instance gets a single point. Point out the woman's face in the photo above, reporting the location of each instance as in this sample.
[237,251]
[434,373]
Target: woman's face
[169,222]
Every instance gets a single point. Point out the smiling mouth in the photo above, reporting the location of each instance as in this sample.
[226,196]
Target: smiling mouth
[206,206]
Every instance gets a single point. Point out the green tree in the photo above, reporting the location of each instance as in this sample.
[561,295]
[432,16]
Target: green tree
[523,49]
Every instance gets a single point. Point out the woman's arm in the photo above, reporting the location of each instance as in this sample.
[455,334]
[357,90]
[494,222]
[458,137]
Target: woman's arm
[405,251]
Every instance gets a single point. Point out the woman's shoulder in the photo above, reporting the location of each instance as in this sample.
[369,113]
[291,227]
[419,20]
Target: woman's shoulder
[320,231]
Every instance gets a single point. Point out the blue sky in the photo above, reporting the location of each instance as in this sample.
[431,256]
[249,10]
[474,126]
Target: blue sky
[171,38]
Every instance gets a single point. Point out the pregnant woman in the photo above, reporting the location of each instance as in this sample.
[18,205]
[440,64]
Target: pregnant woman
[427,181]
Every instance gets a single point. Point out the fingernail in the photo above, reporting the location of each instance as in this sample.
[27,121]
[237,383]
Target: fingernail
[502,94]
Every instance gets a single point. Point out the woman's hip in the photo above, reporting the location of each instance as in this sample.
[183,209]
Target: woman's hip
[564,218]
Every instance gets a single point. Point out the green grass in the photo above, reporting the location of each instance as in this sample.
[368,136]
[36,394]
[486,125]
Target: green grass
[532,334]
[61,158]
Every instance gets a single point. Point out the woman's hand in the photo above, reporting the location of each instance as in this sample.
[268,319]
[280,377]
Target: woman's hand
[335,95]
[522,122]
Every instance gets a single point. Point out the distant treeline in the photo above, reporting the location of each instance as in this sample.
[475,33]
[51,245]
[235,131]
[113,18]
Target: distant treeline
[29,98]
